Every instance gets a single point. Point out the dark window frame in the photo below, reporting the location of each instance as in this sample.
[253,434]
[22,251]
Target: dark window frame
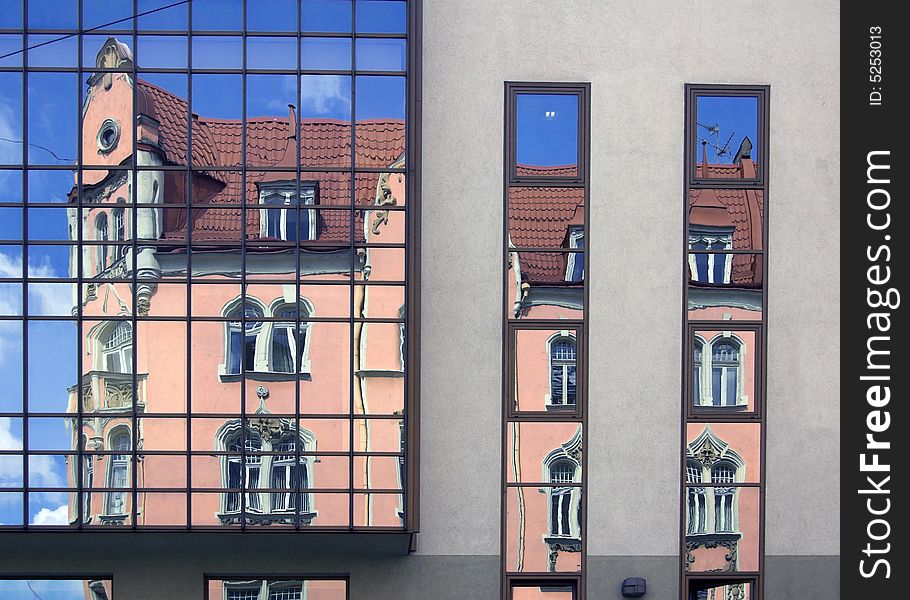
[739,414]
[512,325]
[582,91]
[693,92]
[561,580]
[567,412]
[716,579]
[689,413]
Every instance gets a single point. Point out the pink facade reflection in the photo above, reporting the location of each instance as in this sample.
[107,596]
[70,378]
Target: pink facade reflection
[276,332]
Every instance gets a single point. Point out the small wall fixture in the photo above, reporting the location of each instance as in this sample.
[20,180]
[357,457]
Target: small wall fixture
[634,587]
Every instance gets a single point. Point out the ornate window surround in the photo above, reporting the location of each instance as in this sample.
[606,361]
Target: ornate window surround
[307,195]
[262,363]
[270,431]
[706,382]
[564,334]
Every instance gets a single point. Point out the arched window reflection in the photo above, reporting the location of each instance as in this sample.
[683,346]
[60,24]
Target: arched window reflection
[563,371]
[289,338]
[724,372]
[241,338]
[118,475]
[101,235]
[117,348]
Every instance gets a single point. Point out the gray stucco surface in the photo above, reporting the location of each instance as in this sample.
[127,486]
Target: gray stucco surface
[637,56]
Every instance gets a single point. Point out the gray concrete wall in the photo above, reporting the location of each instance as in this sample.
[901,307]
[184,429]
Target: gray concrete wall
[638,56]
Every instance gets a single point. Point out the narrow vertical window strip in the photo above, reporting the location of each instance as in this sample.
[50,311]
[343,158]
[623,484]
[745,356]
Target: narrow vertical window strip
[722,379]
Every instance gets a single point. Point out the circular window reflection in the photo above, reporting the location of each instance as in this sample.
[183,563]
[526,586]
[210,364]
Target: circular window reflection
[108,135]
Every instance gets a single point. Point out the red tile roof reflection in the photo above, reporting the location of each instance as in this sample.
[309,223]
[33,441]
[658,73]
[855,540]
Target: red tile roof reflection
[539,217]
[541,171]
[740,205]
[217,143]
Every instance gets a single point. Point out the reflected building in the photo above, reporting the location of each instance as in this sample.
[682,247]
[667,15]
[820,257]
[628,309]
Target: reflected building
[286,362]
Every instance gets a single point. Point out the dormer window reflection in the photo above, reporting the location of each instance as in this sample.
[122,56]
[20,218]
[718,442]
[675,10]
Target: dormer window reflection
[285,216]
[575,265]
[707,267]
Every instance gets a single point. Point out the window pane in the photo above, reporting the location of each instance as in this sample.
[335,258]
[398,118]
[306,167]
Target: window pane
[275,15]
[544,452]
[729,359]
[720,590]
[325,53]
[546,130]
[58,589]
[545,370]
[554,590]
[326,15]
[533,543]
[726,137]
[381,16]
[718,451]
[276,589]
[545,286]
[730,542]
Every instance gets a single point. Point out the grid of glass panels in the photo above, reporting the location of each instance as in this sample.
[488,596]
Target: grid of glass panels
[545,299]
[203,264]
[724,349]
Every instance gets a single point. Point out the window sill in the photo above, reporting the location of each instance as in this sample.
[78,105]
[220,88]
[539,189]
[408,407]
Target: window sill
[112,519]
[711,538]
[566,543]
[560,407]
[264,375]
[722,409]
[233,518]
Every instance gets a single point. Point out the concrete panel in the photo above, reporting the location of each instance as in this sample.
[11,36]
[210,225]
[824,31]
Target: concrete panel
[802,577]
[638,56]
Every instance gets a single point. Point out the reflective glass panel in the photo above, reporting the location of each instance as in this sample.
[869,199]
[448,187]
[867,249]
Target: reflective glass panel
[726,219]
[543,529]
[727,449]
[728,538]
[546,135]
[726,137]
[723,370]
[58,589]
[276,589]
[554,590]
[546,285]
[544,453]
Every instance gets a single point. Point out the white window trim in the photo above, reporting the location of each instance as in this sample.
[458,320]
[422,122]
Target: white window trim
[548,397]
[262,359]
[109,472]
[287,190]
[228,432]
[723,454]
[712,237]
[575,234]
[564,453]
[706,383]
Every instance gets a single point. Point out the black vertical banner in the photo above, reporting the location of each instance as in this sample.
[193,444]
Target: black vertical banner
[874,232]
